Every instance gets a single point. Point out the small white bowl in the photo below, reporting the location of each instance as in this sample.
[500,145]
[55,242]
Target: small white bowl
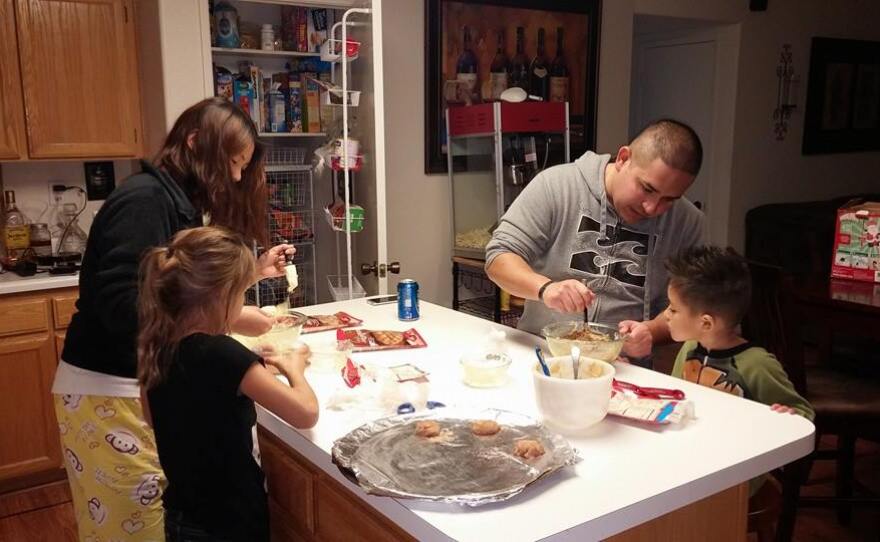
[571,406]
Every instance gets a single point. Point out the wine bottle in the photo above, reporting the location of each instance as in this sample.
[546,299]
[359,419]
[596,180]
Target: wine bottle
[538,71]
[559,72]
[519,66]
[466,69]
[498,70]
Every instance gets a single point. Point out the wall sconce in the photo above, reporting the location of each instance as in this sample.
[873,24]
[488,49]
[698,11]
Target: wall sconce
[785,95]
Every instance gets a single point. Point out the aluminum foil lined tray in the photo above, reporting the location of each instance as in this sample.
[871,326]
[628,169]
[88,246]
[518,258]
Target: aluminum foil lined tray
[386,457]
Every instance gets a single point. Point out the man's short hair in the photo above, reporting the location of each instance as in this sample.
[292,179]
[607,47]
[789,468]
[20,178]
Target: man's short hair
[672,141]
[712,280]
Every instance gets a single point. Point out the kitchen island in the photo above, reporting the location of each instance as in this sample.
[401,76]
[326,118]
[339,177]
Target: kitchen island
[633,482]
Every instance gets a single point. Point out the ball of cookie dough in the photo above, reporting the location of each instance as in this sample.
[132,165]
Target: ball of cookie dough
[528,449]
[485,428]
[427,428]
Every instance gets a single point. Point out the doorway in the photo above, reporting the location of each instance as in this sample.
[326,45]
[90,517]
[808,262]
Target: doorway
[686,70]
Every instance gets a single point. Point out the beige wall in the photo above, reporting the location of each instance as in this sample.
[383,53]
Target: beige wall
[763,170]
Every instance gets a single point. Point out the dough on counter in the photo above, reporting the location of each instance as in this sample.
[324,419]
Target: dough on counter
[427,428]
[528,449]
[485,428]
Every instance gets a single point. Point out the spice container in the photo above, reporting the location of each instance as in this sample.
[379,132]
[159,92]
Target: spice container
[267,35]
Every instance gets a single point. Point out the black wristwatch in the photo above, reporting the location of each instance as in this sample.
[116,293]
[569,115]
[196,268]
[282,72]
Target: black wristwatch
[542,288]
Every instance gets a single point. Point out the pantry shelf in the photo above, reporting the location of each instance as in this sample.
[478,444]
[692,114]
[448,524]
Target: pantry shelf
[224,51]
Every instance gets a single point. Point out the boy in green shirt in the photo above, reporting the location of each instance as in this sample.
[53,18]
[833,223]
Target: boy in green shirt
[709,293]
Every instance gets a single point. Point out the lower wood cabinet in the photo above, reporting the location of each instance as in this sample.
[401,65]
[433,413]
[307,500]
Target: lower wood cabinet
[306,504]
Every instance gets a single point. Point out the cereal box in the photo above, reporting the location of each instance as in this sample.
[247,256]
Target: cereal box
[857,242]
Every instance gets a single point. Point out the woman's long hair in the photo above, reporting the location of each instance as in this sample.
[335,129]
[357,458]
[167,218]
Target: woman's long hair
[197,153]
[189,286]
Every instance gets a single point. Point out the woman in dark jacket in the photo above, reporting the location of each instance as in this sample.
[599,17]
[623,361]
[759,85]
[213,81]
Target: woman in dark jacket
[209,170]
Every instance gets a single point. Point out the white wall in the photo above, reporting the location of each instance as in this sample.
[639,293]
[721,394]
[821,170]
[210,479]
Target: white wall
[419,206]
[31,180]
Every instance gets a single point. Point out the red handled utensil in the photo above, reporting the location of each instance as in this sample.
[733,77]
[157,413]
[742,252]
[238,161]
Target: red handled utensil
[648,393]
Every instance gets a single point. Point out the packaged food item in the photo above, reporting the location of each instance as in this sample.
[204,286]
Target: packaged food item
[364,340]
[277,109]
[407,372]
[857,242]
[320,21]
[322,322]
[227,25]
[295,109]
[652,411]
[312,103]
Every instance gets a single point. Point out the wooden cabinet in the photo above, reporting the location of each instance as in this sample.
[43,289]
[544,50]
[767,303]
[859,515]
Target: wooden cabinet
[30,441]
[306,504]
[75,64]
[32,328]
[12,145]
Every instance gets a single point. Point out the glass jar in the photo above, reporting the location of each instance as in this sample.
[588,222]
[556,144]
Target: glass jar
[41,239]
[73,238]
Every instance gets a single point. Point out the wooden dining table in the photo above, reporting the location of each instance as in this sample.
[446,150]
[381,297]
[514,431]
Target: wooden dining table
[838,307]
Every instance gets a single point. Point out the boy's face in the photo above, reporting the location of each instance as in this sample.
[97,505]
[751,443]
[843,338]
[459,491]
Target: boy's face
[684,323]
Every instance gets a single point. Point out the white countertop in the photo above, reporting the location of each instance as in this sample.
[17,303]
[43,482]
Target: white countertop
[629,473]
[10,283]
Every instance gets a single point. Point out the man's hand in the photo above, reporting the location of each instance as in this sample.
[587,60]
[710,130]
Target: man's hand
[568,296]
[640,340]
[272,262]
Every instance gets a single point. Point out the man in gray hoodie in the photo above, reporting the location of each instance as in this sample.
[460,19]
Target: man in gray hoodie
[588,239]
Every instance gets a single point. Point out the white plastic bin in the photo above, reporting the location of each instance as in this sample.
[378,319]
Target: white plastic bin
[339,287]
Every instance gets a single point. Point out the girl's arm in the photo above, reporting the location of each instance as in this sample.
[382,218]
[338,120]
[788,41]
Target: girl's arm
[252,322]
[296,404]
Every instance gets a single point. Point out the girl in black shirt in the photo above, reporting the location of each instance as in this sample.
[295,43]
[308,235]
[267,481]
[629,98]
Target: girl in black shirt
[198,386]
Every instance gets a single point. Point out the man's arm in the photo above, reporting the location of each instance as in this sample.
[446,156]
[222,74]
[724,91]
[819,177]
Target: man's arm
[511,272]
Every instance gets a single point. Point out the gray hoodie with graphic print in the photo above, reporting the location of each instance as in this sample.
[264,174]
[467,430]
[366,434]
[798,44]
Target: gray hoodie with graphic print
[563,226]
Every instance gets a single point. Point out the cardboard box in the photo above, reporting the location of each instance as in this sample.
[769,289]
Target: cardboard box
[311,104]
[295,107]
[857,242]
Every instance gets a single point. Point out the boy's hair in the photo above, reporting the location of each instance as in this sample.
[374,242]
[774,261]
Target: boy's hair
[191,282]
[712,280]
[673,142]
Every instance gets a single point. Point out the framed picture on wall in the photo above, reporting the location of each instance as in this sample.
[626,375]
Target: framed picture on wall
[475,49]
[843,97]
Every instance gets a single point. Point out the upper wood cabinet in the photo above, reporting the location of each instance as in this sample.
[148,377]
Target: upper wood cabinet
[77,61]
[12,144]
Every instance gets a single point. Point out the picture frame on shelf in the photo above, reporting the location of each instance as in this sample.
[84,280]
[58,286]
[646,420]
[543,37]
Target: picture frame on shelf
[489,24]
[843,97]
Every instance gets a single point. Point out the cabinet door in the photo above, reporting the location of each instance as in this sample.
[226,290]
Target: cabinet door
[30,442]
[79,77]
[11,107]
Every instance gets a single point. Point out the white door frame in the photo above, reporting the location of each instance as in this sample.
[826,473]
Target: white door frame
[727,40]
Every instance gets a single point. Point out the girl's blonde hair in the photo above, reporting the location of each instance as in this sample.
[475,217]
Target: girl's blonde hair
[189,285]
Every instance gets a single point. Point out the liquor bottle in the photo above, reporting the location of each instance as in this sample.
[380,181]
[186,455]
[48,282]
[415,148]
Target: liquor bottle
[538,71]
[16,232]
[519,66]
[466,69]
[559,72]
[498,70]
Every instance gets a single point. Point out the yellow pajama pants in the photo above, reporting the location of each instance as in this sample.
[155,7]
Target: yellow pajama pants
[113,468]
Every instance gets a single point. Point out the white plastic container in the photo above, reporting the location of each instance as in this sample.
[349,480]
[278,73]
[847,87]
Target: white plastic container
[267,38]
[338,285]
[572,406]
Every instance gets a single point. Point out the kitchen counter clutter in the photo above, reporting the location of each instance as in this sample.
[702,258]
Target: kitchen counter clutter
[10,283]
[681,478]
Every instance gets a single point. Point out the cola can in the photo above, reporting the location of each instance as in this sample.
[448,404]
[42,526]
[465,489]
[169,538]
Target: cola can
[408,300]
